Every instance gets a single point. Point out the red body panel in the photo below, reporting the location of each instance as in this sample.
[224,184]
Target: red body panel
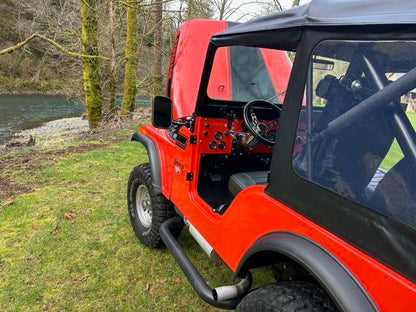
[163,143]
[219,86]
[253,213]
[189,61]
[209,129]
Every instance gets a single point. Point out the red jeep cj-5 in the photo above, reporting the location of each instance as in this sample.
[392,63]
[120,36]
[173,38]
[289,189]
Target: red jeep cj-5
[308,169]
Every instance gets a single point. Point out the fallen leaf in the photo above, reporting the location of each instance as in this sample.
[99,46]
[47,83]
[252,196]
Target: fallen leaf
[69,215]
[148,286]
[83,277]
[8,202]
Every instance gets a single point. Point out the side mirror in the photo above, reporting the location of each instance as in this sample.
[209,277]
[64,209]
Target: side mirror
[161,112]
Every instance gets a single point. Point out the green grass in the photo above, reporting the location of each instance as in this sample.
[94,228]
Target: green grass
[92,261]
[395,153]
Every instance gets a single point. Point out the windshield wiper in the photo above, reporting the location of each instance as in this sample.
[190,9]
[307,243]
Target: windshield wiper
[275,95]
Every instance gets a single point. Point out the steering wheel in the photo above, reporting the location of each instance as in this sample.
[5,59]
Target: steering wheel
[264,131]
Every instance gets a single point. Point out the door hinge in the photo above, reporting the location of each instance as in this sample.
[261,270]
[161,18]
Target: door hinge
[189,176]
[193,139]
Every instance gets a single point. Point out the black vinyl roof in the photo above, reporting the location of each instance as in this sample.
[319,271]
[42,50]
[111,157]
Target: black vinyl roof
[331,13]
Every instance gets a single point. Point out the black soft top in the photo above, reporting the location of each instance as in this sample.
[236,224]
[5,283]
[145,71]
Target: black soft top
[327,13]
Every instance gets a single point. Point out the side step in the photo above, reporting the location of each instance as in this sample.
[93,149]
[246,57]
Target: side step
[225,297]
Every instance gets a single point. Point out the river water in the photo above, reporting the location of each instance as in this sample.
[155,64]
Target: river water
[20,112]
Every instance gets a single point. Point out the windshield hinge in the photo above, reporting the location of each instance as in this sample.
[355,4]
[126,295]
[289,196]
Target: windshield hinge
[193,139]
[192,123]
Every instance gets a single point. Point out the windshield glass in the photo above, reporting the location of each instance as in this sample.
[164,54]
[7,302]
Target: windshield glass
[355,136]
[243,74]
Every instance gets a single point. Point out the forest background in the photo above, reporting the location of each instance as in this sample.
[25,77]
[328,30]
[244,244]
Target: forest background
[101,49]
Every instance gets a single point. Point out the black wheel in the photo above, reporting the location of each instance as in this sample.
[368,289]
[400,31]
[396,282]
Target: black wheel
[147,209]
[287,297]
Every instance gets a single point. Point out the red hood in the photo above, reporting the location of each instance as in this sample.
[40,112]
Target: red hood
[191,47]
[194,37]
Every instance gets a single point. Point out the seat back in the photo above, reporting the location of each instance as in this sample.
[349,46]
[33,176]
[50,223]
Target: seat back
[350,158]
[395,194]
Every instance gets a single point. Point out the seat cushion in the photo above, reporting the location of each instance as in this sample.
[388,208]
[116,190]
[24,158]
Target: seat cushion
[239,181]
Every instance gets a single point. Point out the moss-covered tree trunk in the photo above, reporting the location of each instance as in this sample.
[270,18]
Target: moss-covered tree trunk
[130,71]
[91,73]
[190,9]
[157,48]
[112,84]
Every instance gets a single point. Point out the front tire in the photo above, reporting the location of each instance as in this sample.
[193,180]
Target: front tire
[287,297]
[147,209]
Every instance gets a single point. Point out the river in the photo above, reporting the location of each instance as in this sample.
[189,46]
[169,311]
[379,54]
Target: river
[21,112]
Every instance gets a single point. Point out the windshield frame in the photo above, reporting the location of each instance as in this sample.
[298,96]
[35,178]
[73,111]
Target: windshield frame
[209,107]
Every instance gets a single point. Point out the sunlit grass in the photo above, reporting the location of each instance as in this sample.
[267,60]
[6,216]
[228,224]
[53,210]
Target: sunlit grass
[395,153]
[69,246]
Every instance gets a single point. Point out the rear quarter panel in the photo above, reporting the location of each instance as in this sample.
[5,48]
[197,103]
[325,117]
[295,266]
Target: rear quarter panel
[253,214]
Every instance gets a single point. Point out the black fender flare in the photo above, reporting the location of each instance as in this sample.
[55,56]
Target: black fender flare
[344,289]
[153,159]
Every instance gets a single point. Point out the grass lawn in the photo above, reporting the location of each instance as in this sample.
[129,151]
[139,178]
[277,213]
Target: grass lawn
[395,153]
[68,245]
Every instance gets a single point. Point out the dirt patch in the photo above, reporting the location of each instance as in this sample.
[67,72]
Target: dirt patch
[49,136]
[32,162]
[33,159]
[9,188]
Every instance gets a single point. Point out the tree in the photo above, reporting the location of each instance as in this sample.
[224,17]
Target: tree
[58,24]
[199,9]
[227,9]
[157,47]
[271,7]
[91,74]
[112,83]
[277,5]
[131,51]
[221,6]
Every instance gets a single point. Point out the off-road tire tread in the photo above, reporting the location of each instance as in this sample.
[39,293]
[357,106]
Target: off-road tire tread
[294,296]
[162,208]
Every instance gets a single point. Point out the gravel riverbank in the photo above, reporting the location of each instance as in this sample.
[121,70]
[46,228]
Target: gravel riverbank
[50,133]
[68,129]
[72,125]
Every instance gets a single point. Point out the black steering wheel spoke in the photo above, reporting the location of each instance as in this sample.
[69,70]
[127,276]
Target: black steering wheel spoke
[261,130]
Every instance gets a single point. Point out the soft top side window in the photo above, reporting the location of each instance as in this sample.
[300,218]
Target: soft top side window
[365,158]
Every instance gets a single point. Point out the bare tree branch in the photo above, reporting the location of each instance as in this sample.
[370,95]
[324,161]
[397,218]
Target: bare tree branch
[142,5]
[87,4]
[52,42]
[18,46]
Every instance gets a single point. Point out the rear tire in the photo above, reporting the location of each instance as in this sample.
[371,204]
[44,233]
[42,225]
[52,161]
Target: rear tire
[287,297]
[147,209]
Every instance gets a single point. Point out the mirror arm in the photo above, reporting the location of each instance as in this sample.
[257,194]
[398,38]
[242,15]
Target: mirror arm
[188,122]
